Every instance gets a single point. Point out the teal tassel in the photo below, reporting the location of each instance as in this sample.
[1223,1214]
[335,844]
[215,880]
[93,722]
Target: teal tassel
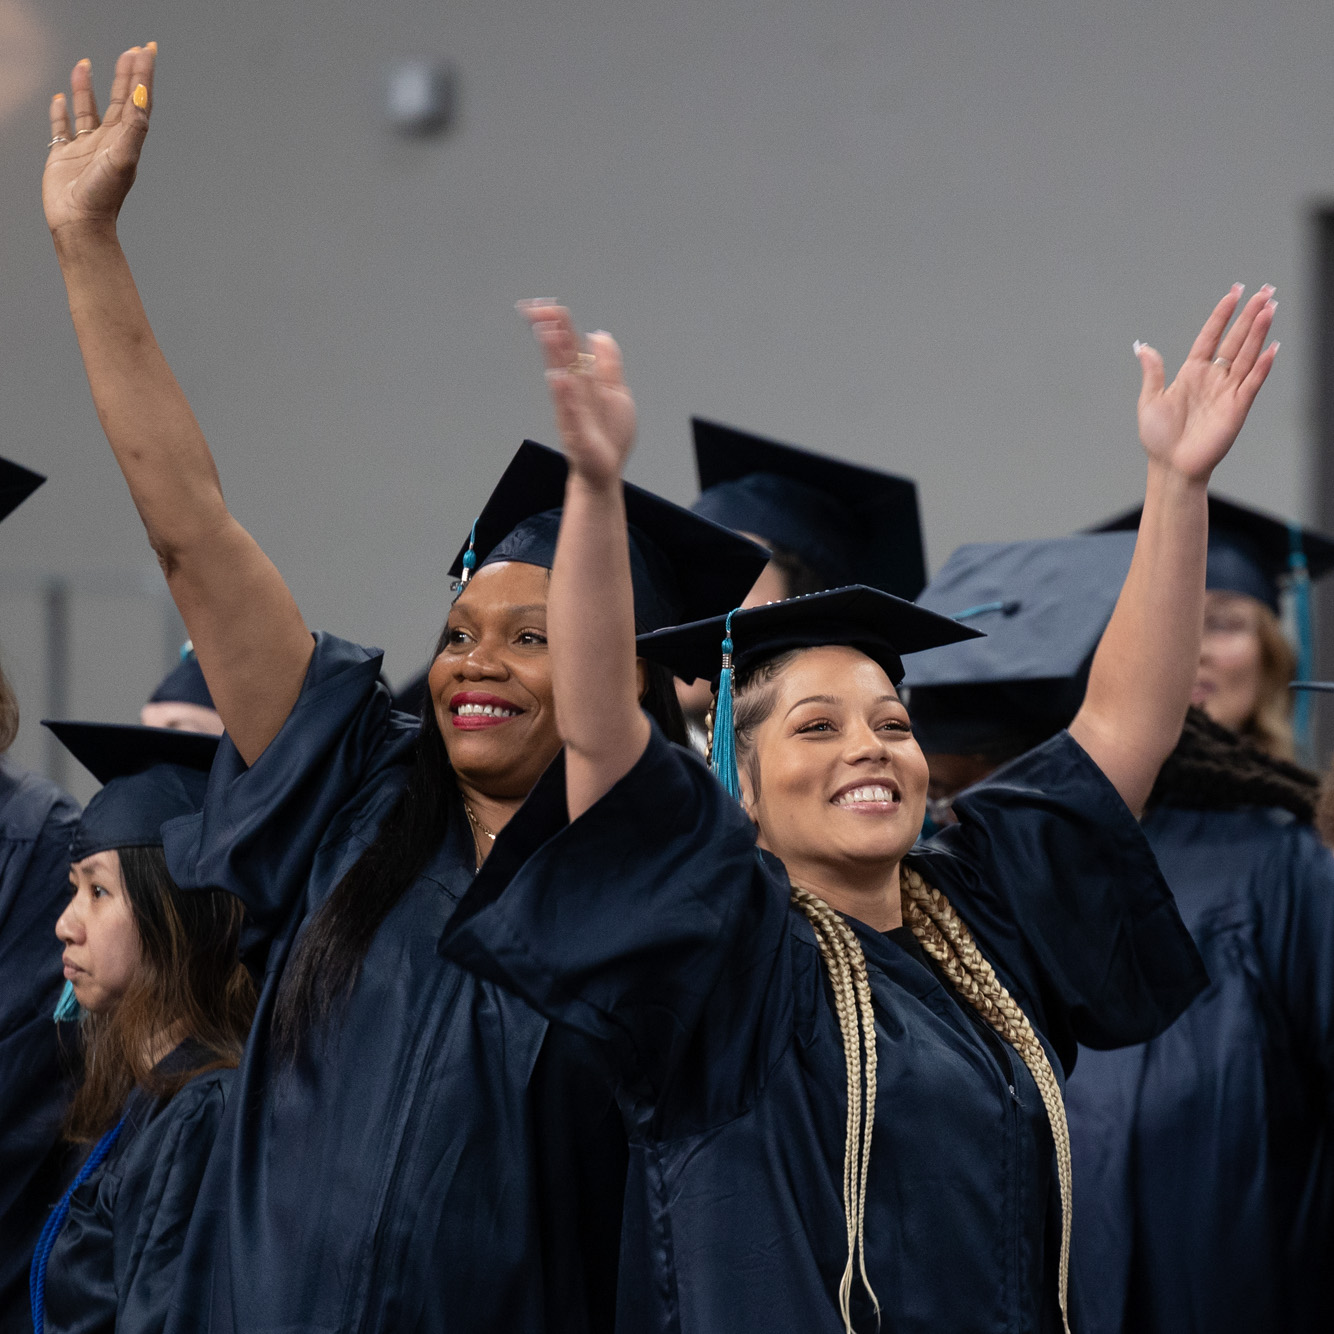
[68,1008]
[469,562]
[1299,594]
[723,760]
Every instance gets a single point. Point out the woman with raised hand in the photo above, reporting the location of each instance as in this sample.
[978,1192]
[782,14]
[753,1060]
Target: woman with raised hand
[409,1147]
[841,1056]
[164,1002]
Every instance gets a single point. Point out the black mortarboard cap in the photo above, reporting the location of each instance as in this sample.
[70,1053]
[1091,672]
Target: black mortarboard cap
[184,684]
[882,626]
[682,566]
[1250,551]
[17,483]
[848,523]
[1044,606]
[149,775]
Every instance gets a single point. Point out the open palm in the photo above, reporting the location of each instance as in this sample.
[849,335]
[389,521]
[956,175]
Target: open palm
[594,410]
[1190,425]
[87,178]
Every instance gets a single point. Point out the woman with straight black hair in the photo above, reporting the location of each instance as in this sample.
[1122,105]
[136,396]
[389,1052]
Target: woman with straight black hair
[409,1147]
[164,1002]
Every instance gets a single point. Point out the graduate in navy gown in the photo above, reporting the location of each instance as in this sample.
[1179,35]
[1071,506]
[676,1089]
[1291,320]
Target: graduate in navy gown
[164,1006]
[1207,1154]
[1202,1158]
[36,820]
[181,699]
[410,1147]
[822,1104]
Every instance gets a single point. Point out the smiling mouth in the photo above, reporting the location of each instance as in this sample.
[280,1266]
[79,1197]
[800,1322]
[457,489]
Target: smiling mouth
[71,970]
[868,798]
[470,711]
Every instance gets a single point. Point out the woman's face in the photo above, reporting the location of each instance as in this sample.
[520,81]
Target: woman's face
[841,778]
[491,684]
[1228,679]
[98,931]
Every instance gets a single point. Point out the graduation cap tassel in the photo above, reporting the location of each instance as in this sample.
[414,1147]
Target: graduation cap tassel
[469,562]
[723,760]
[1299,591]
[67,1008]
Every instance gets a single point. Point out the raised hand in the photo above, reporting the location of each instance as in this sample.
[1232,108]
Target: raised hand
[91,164]
[594,411]
[1190,425]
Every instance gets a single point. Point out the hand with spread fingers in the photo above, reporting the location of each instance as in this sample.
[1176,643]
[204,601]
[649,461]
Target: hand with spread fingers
[91,164]
[594,411]
[1190,425]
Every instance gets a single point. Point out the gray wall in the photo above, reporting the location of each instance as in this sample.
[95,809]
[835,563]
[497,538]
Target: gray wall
[919,234]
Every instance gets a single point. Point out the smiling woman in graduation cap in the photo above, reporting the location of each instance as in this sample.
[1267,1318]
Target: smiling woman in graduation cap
[410,1147]
[165,1006]
[838,1056]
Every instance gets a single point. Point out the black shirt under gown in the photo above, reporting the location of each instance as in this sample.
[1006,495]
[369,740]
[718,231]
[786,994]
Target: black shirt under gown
[654,926]
[1205,1158]
[435,1158]
[114,1261]
[37,821]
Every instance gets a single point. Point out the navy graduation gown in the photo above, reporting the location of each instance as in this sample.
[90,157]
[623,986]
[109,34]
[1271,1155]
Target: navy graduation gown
[37,821]
[1205,1158]
[652,924]
[434,1159]
[114,1262]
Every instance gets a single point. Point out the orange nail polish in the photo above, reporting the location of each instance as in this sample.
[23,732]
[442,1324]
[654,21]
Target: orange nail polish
[152,46]
[140,98]
[86,63]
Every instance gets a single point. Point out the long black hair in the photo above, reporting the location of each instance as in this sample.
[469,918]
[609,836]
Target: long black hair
[189,978]
[328,957]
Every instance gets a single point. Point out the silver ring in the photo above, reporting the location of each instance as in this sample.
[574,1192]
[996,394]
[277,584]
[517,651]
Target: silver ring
[1222,363]
[81,133]
[57,139]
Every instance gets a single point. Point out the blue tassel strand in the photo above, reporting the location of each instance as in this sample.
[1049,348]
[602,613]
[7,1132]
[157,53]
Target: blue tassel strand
[469,562]
[723,760]
[67,1007]
[47,1241]
[1299,594]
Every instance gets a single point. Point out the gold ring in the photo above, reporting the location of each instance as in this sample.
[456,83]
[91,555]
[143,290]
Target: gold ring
[583,363]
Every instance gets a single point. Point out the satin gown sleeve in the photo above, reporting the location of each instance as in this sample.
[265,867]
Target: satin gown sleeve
[634,920]
[37,821]
[115,1262]
[1054,877]
[261,825]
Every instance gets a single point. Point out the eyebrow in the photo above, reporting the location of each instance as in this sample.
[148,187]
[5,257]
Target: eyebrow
[832,699]
[527,609]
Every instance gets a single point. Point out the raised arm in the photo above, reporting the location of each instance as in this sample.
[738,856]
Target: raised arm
[252,643]
[590,606]
[1140,680]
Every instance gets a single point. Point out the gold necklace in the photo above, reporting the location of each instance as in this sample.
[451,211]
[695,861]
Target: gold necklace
[477,828]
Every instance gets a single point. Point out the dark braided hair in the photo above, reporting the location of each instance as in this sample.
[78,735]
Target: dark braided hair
[1214,769]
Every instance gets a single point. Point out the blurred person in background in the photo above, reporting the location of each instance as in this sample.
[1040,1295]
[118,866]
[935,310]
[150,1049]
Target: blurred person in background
[1204,1159]
[164,1007]
[181,699]
[36,822]
[825,521]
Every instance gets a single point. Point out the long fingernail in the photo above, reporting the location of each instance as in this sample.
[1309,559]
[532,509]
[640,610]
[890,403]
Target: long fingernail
[1271,305]
[1238,288]
[152,46]
[140,98]
[533,303]
[1276,347]
[1137,345]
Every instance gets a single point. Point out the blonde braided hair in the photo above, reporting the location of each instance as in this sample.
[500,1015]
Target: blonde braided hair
[945,937]
[846,964]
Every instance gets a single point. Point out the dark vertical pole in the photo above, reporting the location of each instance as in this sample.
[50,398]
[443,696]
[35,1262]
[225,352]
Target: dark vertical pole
[1322,473]
[55,599]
